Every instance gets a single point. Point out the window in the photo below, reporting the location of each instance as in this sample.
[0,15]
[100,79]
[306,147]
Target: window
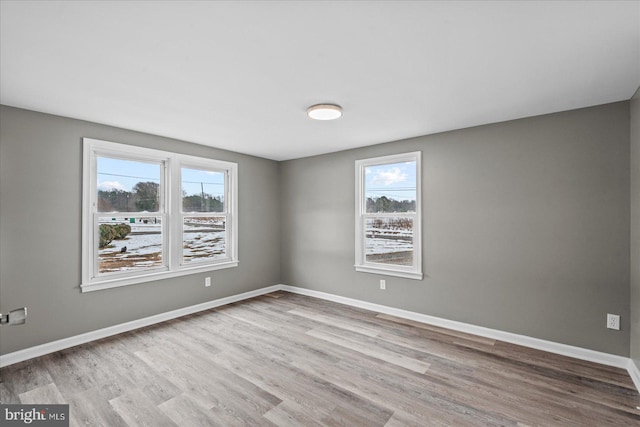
[204,215]
[388,218]
[150,214]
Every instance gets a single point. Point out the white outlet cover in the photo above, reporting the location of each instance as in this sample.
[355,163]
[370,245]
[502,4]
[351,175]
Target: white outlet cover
[613,321]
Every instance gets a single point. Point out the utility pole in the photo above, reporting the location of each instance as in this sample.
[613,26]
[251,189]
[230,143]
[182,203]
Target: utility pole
[202,197]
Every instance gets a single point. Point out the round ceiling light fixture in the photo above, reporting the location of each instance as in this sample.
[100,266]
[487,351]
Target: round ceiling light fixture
[324,112]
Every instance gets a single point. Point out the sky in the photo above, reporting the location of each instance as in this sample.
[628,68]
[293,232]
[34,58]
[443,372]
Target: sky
[117,174]
[394,180]
[194,181]
[125,174]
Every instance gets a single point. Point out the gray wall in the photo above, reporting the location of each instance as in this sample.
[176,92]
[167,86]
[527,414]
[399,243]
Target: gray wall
[635,228]
[40,226]
[526,227]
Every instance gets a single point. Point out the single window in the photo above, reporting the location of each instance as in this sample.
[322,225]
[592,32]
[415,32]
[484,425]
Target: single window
[150,214]
[388,218]
[204,236]
[130,236]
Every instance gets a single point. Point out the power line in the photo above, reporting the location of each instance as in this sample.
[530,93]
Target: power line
[390,195]
[158,179]
[202,182]
[128,176]
[390,189]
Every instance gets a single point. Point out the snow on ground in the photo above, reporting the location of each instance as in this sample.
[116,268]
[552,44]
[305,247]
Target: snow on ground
[202,240]
[206,240]
[203,244]
[384,240]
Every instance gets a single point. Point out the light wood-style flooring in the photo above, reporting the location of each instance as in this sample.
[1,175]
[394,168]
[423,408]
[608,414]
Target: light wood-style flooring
[290,360]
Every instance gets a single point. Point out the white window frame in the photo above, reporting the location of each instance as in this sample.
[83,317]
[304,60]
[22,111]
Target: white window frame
[204,164]
[170,210]
[361,264]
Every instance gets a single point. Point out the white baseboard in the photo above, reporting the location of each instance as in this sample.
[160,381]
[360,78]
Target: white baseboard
[552,347]
[634,372]
[50,347]
[523,340]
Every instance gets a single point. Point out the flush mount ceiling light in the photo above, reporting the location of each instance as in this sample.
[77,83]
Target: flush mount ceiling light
[324,112]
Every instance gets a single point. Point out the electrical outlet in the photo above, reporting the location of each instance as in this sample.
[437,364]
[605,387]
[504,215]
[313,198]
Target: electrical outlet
[383,284]
[613,321]
[15,317]
[207,282]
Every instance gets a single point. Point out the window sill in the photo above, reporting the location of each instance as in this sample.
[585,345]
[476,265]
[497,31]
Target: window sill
[97,285]
[389,272]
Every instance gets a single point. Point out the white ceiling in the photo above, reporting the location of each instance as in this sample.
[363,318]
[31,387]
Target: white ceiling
[240,75]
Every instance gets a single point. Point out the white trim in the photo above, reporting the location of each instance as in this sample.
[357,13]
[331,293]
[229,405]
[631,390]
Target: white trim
[388,272]
[159,275]
[634,372]
[361,265]
[50,347]
[551,347]
[170,210]
[230,203]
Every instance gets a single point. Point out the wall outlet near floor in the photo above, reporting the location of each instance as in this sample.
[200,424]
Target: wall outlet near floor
[383,284]
[14,317]
[613,321]
[207,282]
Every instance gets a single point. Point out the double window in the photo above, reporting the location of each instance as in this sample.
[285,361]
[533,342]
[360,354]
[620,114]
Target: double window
[150,214]
[388,218]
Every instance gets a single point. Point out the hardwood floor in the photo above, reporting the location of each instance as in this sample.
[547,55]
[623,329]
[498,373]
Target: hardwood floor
[290,360]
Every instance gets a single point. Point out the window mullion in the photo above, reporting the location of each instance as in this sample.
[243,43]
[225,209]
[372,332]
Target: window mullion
[94,243]
[174,214]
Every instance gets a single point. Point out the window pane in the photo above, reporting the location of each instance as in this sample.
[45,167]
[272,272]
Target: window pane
[202,190]
[390,187]
[389,240]
[128,186]
[204,238]
[129,244]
